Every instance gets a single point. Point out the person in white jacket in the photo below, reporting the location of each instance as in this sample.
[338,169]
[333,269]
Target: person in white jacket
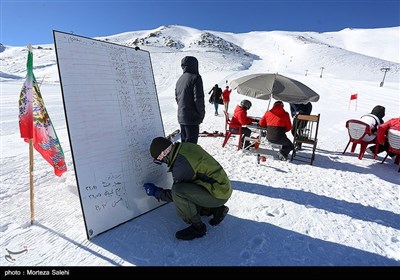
[374,119]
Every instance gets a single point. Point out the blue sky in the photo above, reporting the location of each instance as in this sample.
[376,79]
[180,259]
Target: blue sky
[32,22]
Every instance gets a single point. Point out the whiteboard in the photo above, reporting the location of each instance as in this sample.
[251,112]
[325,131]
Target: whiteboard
[112,114]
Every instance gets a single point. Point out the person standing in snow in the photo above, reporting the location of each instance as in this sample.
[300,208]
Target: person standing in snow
[201,186]
[226,97]
[189,95]
[216,97]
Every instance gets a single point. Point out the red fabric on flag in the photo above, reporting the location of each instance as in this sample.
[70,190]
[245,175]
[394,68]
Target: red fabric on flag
[35,123]
[353,96]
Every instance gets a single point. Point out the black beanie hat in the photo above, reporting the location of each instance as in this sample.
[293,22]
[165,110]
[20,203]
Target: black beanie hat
[158,145]
[379,111]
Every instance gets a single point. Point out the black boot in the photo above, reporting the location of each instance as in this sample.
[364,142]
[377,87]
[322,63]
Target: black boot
[192,232]
[205,212]
[219,214]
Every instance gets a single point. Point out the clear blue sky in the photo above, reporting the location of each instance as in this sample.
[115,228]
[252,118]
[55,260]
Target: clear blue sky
[32,22]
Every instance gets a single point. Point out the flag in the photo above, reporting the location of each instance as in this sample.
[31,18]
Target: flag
[353,96]
[35,123]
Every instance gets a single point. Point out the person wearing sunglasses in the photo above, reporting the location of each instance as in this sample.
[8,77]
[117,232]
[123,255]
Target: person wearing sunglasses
[200,187]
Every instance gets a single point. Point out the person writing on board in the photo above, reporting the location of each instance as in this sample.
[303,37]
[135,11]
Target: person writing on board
[189,95]
[200,185]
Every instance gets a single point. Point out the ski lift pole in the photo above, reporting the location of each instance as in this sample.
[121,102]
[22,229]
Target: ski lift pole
[384,69]
[322,69]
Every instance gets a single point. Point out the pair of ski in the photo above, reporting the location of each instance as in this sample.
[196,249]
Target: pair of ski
[176,135]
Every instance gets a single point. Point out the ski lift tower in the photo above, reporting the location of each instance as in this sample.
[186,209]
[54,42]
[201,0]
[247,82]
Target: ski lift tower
[384,69]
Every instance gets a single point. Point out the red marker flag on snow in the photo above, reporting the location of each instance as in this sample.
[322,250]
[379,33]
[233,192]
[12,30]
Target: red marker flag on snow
[354,96]
[35,123]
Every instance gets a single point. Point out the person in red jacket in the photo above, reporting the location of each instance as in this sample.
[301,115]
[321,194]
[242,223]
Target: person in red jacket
[226,97]
[277,121]
[240,118]
[381,138]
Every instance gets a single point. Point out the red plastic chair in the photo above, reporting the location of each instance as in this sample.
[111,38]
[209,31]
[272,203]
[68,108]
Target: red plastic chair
[357,130]
[229,133]
[393,137]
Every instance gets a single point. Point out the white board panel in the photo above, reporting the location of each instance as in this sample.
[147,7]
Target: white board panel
[112,114]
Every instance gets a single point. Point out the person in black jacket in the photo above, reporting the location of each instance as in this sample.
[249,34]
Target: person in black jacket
[216,97]
[189,95]
[299,109]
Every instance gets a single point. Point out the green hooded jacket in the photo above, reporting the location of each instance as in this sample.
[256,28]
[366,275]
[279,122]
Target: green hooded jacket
[190,163]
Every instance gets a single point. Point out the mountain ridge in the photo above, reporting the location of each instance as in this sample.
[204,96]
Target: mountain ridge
[272,51]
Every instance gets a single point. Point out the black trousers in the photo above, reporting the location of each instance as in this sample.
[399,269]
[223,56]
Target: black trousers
[190,133]
[287,145]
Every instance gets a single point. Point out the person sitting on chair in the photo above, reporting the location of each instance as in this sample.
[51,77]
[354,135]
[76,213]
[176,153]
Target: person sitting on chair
[382,139]
[277,121]
[374,120]
[240,118]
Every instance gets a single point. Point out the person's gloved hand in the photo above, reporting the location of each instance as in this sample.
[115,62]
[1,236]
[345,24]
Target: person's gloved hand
[152,190]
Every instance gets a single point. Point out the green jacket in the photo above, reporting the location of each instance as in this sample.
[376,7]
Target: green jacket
[190,163]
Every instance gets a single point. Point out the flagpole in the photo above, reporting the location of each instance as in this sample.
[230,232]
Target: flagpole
[31,171]
[31,180]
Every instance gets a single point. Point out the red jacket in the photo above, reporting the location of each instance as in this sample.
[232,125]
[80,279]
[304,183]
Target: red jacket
[277,116]
[382,131]
[278,122]
[225,95]
[240,118]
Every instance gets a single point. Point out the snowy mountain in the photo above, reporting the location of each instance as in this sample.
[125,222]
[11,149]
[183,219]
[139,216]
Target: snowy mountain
[295,52]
